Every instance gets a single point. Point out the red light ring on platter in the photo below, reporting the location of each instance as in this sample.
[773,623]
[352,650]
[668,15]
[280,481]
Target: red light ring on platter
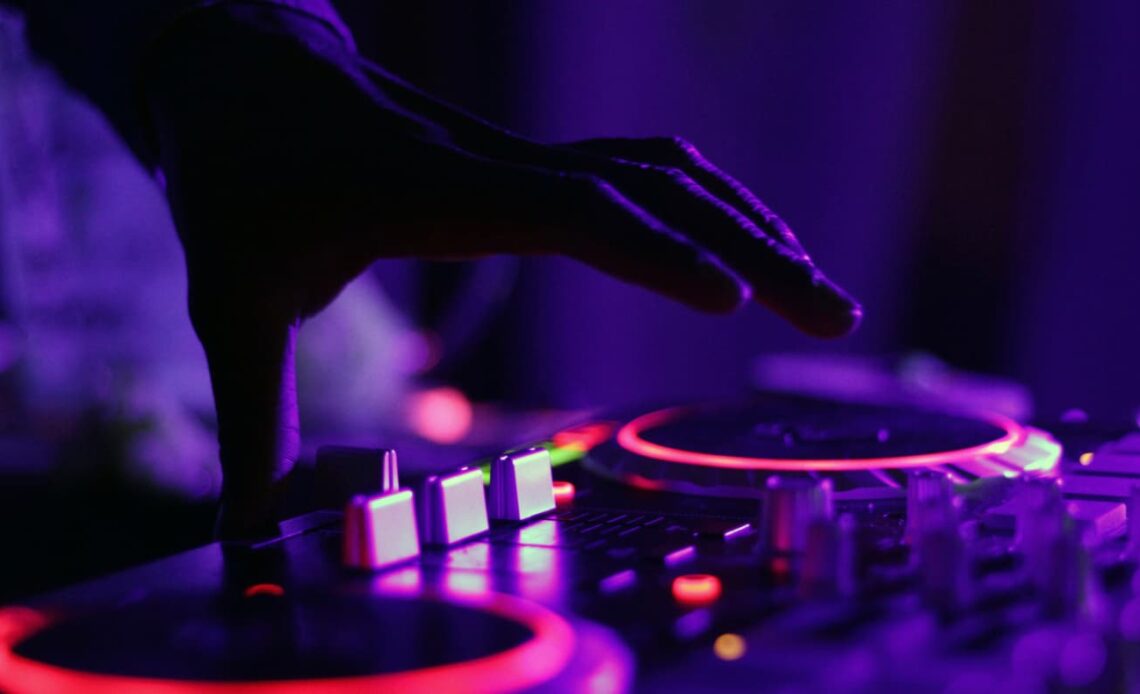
[631,438]
[529,664]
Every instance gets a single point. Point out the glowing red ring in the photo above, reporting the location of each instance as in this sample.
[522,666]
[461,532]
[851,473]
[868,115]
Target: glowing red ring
[529,664]
[630,438]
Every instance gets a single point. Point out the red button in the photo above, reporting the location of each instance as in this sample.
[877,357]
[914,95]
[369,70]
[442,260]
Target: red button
[264,589]
[694,590]
[563,492]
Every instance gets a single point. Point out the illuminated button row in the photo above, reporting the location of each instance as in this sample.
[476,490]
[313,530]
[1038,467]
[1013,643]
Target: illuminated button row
[383,529]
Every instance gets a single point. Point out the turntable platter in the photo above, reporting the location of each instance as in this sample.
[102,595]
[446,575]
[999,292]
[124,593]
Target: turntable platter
[731,448]
[278,642]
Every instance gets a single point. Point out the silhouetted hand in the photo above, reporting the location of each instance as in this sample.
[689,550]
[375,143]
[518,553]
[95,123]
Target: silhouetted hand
[291,164]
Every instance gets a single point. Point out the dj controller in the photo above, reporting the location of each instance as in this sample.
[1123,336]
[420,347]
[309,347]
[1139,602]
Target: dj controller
[776,543]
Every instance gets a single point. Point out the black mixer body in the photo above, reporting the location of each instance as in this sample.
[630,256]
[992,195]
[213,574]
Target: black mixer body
[775,543]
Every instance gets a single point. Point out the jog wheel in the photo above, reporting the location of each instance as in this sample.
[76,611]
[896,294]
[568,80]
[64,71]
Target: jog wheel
[731,448]
[273,642]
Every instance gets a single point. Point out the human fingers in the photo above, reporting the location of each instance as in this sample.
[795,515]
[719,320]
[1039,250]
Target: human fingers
[676,152]
[249,341]
[781,278]
[731,223]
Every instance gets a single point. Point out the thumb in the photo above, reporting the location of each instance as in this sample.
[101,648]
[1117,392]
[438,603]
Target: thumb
[250,347]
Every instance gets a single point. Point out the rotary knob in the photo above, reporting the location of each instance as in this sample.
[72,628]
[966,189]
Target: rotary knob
[790,505]
[1041,521]
[942,559]
[927,492]
[1040,510]
[828,569]
[1056,550]
[933,531]
[1132,513]
[1072,588]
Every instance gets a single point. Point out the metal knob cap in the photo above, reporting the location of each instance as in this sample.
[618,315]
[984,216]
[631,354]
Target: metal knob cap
[942,557]
[790,504]
[1132,513]
[927,492]
[828,569]
[1041,521]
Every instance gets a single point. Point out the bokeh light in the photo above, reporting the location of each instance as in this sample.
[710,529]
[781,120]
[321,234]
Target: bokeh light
[441,415]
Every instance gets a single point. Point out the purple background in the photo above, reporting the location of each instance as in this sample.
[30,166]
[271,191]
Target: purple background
[969,170]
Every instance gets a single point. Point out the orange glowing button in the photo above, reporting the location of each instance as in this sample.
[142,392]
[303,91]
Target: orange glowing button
[563,492]
[693,590]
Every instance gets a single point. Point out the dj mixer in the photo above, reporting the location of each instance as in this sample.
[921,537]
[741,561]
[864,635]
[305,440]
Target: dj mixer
[774,543]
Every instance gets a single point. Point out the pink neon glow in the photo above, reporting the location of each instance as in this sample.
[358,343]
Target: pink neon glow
[529,664]
[630,437]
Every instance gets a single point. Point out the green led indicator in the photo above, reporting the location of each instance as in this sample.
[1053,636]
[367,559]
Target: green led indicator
[559,455]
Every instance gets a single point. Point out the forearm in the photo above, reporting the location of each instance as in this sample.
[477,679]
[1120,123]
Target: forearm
[100,48]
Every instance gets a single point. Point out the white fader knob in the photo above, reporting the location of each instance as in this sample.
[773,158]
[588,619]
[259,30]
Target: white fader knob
[380,530]
[522,485]
[453,507]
